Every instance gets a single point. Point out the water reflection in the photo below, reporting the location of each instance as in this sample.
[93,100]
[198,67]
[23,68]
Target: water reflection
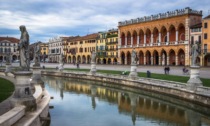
[114,105]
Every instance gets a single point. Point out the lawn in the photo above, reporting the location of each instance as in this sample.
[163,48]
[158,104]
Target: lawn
[183,79]
[6,89]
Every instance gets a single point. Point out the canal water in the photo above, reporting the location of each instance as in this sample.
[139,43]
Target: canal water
[89,103]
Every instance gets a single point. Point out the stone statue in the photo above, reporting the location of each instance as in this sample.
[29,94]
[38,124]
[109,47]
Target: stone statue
[134,57]
[23,48]
[37,55]
[8,58]
[195,52]
[93,57]
[61,59]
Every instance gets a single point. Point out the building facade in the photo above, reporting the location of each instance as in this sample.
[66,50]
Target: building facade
[55,48]
[79,48]
[101,48]
[161,39]
[112,46]
[9,45]
[206,41]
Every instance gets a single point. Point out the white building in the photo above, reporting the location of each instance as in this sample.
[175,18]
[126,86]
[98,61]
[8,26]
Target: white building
[9,45]
[55,48]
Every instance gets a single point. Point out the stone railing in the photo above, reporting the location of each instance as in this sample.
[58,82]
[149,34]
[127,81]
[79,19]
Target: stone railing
[187,10]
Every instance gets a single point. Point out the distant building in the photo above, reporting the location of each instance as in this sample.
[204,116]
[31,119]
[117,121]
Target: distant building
[159,39]
[101,48]
[9,45]
[206,40]
[55,48]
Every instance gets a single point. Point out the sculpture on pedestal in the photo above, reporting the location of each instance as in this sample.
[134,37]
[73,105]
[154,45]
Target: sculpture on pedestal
[23,48]
[93,56]
[93,63]
[195,51]
[8,58]
[37,55]
[134,57]
[61,62]
[134,60]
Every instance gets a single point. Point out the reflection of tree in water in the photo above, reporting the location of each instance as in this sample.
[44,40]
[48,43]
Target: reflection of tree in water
[138,106]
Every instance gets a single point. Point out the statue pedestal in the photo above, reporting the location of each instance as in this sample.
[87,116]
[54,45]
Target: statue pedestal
[92,69]
[36,77]
[133,72]
[23,94]
[194,80]
[8,68]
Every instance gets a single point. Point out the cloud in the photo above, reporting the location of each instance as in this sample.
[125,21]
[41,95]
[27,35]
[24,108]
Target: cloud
[46,19]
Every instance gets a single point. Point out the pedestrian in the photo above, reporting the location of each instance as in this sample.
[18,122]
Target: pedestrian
[77,64]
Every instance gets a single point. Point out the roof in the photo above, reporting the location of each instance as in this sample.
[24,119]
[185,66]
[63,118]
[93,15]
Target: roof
[80,38]
[207,17]
[11,39]
[199,25]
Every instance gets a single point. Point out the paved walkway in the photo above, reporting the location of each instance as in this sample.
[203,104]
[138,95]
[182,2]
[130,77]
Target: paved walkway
[174,70]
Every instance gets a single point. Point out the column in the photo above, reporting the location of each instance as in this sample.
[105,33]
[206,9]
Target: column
[144,60]
[132,41]
[160,60]
[159,37]
[120,42]
[177,32]
[152,39]
[167,36]
[144,38]
[152,60]
[167,60]
[126,41]
[125,60]
[176,60]
[137,40]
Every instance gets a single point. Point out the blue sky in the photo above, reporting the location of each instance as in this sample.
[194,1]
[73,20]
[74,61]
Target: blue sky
[45,19]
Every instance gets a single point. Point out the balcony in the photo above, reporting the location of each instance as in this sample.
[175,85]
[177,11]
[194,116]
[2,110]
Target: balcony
[115,49]
[111,56]
[111,43]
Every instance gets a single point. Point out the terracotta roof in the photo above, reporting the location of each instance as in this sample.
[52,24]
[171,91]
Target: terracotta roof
[87,37]
[199,25]
[11,39]
[207,17]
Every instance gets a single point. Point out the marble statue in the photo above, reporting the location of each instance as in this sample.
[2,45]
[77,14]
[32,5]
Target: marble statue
[37,55]
[61,59]
[93,56]
[134,57]
[23,48]
[195,53]
[8,58]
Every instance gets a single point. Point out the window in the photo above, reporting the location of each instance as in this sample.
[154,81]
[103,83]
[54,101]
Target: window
[205,36]
[199,39]
[192,39]
[205,25]
[205,48]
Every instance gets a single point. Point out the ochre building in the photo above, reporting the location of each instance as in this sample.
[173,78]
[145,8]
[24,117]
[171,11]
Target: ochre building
[161,39]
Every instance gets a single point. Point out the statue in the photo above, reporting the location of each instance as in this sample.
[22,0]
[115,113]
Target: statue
[8,58]
[195,52]
[134,57]
[61,59]
[23,48]
[93,57]
[37,55]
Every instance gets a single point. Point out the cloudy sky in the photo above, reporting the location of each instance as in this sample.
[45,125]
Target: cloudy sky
[45,19]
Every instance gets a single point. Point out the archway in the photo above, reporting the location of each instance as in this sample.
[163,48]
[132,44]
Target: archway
[181,57]
[123,39]
[69,59]
[141,58]
[155,58]
[128,58]
[79,59]
[83,59]
[141,37]
[74,59]
[164,57]
[172,34]
[181,30]
[109,61]
[148,58]
[104,61]
[148,36]
[88,59]
[134,38]
[172,58]
[1,58]
[14,57]
[98,61]
[115,61]
[163,34]
[155,35]
[206,60]
[123,58]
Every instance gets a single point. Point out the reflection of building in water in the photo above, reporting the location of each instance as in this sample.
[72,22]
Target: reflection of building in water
[134,105]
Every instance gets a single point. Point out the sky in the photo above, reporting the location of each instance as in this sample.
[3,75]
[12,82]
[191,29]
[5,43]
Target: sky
[45,19]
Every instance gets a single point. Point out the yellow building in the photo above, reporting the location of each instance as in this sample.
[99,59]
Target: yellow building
[112,46]
[79,48]
[206,40]
[101,48]
[44,48]
[160,39]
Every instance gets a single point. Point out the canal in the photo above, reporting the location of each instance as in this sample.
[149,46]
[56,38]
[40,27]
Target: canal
[89,103]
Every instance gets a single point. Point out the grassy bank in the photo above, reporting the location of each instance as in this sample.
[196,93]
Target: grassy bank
[183,79]
[6,89]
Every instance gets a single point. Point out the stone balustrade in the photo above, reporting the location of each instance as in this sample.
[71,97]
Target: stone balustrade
[187,10]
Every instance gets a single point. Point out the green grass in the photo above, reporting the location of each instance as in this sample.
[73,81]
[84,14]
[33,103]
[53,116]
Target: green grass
[6,89]
[183,79]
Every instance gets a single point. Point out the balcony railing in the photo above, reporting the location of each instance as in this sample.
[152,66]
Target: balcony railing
[111,56]
[110,43]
